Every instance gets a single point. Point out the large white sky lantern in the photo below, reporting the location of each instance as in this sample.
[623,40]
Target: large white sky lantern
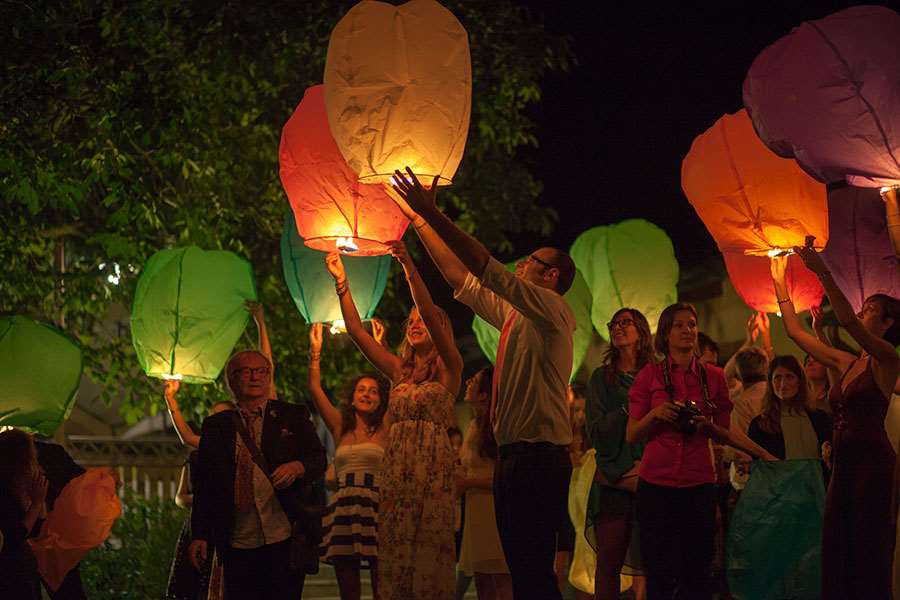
[398,89]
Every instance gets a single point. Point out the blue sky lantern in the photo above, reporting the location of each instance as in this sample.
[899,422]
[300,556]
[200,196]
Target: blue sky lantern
[40,370]
[312,287]
[189,311]
[579,299]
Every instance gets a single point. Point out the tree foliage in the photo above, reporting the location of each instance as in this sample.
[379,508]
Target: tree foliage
[129,127]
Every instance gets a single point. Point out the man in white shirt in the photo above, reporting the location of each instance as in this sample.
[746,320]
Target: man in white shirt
[529,411]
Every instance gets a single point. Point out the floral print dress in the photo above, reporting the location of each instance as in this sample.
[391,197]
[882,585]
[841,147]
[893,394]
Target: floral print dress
[416,552]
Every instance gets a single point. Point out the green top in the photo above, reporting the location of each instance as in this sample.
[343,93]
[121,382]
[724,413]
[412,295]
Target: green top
[606,417]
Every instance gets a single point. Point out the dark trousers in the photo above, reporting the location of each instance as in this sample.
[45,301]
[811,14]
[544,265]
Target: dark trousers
[531,488]
[262,573]
[677,532]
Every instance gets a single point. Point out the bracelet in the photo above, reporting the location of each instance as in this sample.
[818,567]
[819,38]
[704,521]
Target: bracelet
[314,356]
[418,226]
[780,301]
[341,287]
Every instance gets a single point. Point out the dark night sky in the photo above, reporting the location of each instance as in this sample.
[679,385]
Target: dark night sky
[649,78]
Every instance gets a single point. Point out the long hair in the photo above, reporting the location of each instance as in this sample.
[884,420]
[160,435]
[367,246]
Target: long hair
[487,444]
[408,353]
[890,309]
[18,452]
[645,352]
[666,322]
[348,411]
[770,417]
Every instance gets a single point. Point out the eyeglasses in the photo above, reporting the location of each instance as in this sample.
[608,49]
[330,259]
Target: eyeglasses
[621,324]
[541,262]
[247,371]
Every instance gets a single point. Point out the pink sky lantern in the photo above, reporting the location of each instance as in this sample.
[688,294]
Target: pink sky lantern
[859,251]
[751,277]
[332,209]
[827,95]
[751,200]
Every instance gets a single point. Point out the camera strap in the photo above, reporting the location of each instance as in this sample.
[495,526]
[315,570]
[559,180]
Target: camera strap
[670,387]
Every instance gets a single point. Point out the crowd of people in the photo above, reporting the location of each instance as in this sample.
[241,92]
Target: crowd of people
[668,429]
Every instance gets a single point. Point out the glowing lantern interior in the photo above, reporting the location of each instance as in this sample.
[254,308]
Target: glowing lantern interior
[398,87]
[333,211]
[752,280]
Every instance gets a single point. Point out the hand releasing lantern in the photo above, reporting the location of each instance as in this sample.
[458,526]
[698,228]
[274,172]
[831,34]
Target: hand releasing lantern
[630,264]
[332,209]
[189,311]
[40,371]
[312,288]
[752,201]
[826,94]
[579,299]
[398,88]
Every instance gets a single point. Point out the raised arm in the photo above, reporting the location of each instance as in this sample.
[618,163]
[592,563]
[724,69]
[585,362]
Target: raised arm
[892,210]
[472,253]
[374,352]
[731,374]
[184,431]
[875,346]
[442,338]
[331,414]
[832,358]
[256,310]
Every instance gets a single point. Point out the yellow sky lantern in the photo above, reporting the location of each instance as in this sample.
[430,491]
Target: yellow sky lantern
[751,200]
[398,89]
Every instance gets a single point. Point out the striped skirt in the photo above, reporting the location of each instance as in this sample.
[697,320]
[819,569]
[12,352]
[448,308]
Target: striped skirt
[351,520]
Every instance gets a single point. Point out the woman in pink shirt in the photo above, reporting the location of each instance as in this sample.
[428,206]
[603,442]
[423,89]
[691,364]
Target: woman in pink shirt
[677,405]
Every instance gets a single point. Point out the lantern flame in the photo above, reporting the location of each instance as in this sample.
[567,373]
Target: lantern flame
[338,326]
[345,244]
[175,377]
[776,252]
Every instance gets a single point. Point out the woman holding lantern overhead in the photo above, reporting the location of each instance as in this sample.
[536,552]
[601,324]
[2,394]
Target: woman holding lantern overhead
[858,535]
[415,524]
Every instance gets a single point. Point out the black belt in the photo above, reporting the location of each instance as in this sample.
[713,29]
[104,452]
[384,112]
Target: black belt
[520,448]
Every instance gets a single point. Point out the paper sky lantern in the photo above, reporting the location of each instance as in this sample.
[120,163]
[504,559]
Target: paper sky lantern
[189,312]
[751,200]
[398,89]
[312,287]
[578,298]
[751,277]
[629,264]
[40,371]
[859,253]
[333,210]
[82,518]
[826,94]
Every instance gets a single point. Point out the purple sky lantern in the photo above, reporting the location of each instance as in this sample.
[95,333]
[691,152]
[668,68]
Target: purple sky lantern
[859,251]
[828,94]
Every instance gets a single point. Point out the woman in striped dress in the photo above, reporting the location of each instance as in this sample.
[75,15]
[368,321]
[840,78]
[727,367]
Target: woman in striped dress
[351,519]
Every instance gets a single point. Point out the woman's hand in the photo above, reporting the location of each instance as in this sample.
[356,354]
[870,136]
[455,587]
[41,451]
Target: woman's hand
[752,329]
[315,338]
[38,490]
[666,412]
[818,321]
[417,199]
[335,266]
[399,251]
[778,268]
[811,258]
[171,389]
[378,330]
[255,308]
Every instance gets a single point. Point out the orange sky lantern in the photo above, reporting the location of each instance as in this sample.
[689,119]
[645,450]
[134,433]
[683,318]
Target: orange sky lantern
[398,89]
[751,200]
[333,210]
[752,280]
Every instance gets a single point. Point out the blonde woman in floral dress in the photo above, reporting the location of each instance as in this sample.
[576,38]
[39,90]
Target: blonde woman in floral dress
[416,553]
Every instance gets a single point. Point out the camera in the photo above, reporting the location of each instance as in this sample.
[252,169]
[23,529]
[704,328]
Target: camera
[686,412]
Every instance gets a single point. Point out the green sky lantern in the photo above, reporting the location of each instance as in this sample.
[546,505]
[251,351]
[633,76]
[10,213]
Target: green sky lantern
[189,312]
[579,299]
[312,287]
[632,264]
[40,370]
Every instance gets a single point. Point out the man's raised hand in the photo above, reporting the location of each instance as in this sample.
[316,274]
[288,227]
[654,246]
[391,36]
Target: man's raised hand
[414,196]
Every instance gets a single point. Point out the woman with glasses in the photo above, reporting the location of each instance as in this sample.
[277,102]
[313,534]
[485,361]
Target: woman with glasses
[860,514]
[610,512]
[677,405]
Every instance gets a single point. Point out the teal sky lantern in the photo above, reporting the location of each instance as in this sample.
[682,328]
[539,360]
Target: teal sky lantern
[189,311]
[312,287]
[629,264]
[40,371]
[579,299]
